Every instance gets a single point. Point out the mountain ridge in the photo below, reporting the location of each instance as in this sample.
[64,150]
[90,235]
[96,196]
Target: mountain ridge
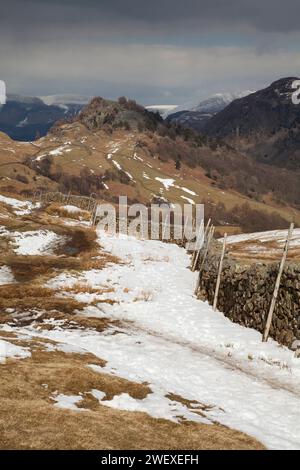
[265,125]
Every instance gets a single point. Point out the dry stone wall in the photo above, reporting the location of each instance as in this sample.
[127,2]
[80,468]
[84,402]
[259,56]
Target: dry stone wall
[246,291]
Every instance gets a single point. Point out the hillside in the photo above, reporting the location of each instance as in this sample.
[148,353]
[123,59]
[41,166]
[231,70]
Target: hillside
[265,125]
[119,148]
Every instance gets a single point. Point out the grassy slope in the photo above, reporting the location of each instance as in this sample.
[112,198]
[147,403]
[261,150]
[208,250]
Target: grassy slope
[82,149]
[90,150]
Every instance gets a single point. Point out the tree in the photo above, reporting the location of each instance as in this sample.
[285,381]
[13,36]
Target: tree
[178,164]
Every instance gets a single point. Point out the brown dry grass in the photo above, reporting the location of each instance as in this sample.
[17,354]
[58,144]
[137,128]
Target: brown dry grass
[28,296]
[197,407]
[80,240]
[28,268]
[80,287]
[28,419]
[95,323]
[251,251]
[59,210]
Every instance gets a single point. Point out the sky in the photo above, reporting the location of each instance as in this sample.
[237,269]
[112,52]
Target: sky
[157,52]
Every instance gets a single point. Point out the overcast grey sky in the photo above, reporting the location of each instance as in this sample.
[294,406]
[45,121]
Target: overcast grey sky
[163,51]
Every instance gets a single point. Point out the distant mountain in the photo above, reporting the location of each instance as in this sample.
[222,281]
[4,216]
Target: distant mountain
[215,103]
[192,119]
[24,118]
[163,109]
[196,116]
[265,124]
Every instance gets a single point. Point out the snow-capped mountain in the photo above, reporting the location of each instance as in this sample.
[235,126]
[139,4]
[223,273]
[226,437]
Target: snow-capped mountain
[197,115]
[163,109]
[218,101]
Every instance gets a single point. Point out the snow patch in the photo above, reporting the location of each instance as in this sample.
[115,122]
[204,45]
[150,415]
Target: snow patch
[72,209]
[279,236]
[11,350]
[186,190]
[154,404]
[190,201]
[117,165]
[40,242]
[20,207]
[167,182]
[67,402]
[6,275]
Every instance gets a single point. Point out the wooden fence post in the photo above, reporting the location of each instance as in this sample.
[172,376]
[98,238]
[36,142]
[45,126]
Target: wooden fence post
[209,239]
[219,273]
[93,216]
[90,201]
[277,285]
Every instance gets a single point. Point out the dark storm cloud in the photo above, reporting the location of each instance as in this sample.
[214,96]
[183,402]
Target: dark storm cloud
[159,50]
[266,15]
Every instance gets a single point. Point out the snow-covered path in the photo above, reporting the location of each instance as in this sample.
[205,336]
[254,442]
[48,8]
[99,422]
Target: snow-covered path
[178,344]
